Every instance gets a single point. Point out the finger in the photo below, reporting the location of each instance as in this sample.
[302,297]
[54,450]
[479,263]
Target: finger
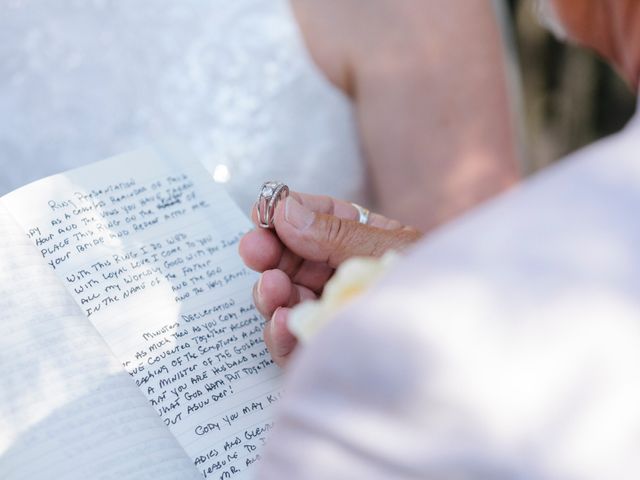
[275,289]
[333,206]
[289,263]
[380,221]
[313,275]
[342,209]
[326,238]
[277,337]
[261,250]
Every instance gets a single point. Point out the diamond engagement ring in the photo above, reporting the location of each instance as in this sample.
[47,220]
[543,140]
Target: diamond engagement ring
[363,214]
[271,193]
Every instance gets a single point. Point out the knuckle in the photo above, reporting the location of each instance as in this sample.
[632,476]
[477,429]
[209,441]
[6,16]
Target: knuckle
[336,239]
[341,239]
[334,233]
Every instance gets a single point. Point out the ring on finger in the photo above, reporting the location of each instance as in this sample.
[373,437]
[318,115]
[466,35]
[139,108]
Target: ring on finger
[271,192]
[363,214]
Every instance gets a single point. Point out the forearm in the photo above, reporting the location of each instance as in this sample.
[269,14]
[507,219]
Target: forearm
[428,82]
[434,115]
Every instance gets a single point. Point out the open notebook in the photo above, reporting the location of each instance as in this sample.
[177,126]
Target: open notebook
[129,346]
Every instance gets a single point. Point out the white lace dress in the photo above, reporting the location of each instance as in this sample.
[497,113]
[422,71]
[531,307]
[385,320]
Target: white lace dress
[82,80]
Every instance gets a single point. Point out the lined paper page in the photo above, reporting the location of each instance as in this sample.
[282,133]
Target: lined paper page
[67,410]
[147,245]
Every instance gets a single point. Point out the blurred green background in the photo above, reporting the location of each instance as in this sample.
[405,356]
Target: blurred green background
[569,96]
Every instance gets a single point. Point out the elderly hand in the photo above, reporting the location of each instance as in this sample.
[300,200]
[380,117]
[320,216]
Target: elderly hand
[313,235]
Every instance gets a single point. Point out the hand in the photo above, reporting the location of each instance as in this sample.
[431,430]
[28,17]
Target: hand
[313,235]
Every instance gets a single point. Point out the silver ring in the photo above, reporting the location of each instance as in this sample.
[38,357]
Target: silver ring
[270,194]
[363,214]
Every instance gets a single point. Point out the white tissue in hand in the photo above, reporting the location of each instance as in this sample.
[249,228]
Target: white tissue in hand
[350,279]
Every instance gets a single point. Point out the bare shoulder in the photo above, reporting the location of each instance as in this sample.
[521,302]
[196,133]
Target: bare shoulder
[323,24]
[336,31]
[345,37]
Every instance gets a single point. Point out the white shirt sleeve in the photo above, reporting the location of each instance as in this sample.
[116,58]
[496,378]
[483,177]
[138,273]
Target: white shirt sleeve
[505,346]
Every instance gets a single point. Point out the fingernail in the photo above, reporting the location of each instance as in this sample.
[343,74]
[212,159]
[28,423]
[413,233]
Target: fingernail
[273,323]
[259,286]
[297,215]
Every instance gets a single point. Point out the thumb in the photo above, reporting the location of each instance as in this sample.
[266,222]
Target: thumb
[327,238]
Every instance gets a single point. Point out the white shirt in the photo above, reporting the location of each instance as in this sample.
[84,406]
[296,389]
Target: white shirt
[506,345]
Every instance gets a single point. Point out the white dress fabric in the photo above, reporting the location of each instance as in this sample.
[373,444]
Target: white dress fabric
[81,80]
[505,346]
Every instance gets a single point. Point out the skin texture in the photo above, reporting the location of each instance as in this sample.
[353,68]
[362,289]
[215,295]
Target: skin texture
[610,27]
[313,235]
[429,90]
